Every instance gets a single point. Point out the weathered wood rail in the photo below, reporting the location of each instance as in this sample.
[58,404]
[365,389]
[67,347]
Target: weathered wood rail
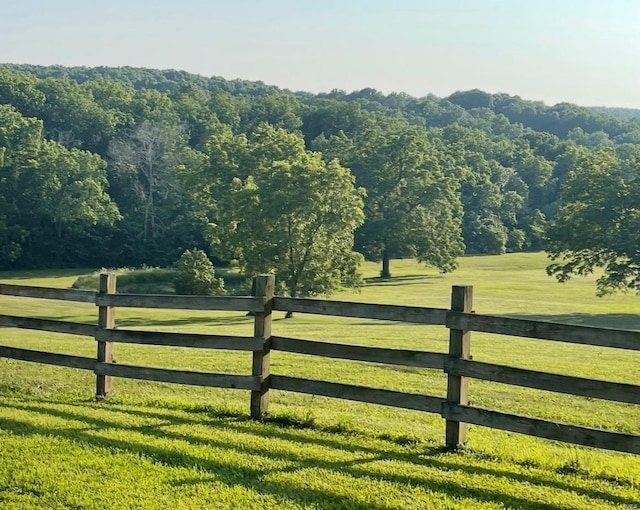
[457,364]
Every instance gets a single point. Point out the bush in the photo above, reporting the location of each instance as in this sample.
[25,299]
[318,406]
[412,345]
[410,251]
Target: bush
[147,280]
[195,274]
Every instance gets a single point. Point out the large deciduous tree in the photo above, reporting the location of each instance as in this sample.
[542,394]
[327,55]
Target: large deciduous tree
[51,197]
[160,220]
[71,188]
[412,209]
[598,224]
[147,160]
[280,208]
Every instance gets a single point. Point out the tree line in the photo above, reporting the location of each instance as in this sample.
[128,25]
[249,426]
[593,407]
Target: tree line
[126,166]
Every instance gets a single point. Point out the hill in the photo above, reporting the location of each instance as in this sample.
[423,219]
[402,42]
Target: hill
[494,163]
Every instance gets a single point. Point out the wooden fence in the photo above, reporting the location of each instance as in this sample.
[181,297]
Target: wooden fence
[457,364]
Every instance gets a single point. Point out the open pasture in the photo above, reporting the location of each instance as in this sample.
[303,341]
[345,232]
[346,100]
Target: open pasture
[153,445]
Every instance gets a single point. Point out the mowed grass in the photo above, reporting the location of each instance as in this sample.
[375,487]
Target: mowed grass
[154,445]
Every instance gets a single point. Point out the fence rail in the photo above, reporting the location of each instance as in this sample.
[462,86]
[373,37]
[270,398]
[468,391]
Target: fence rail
[81,296]
[200,341]
[53,326]
[586,335]
[390,398]
[542,428]
[571,385]
[48,358]
[457,364]
[241,382]
[382,355]
[415,314]
[238,304]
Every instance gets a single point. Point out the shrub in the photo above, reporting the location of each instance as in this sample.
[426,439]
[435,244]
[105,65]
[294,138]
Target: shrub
[195,274]
[146,280]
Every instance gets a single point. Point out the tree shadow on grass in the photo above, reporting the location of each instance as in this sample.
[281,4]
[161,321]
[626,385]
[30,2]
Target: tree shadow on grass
[154,321]
[401,280]
[42,273]
[601,320]
[301,455]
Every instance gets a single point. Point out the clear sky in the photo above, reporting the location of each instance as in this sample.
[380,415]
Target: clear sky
[581,51]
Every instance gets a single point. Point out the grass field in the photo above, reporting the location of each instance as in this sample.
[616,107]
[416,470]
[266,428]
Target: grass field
[155,445]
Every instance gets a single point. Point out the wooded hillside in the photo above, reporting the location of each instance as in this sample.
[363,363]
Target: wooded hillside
[127,166]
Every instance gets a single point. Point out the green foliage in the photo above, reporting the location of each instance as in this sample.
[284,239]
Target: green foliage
[21,92]
[620,113]
[598,224]
[412,208]
[148,280]
[149,165]
[195,274]
[472,99]
[50,196]
[282,209]
[491,174]
[475,169]
[281,111]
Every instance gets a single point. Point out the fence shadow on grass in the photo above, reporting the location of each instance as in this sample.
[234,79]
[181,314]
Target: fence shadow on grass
[156,427]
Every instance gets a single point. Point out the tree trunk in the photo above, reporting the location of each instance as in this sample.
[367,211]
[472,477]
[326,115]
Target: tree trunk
[289,314]
[385,265]
[152,214]
[253,293]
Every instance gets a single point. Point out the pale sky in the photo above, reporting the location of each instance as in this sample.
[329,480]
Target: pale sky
[580,51]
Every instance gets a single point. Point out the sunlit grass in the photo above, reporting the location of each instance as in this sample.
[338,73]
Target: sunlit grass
[155,445]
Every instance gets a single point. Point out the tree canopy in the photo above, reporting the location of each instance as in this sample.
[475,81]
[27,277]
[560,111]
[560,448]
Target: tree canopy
[126,166]
[280,208]
[50,196]
[598,224]
[412,209]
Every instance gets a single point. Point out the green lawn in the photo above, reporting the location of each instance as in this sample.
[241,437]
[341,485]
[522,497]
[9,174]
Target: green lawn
[154,445]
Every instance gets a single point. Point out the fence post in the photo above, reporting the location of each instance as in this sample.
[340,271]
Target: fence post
[106,320]
[263,287]
[459,348]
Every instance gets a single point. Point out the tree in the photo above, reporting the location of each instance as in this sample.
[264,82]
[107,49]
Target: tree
[282,111]
[411,208]
[20,92]
[192,103]
[72,117]
[471,99]
[195,274]
[331,117]
[148,170]
[598,224]
[19,147]
[72,189]
[492,194]
[282,209]
[502,158]
[48,189]
[147,159]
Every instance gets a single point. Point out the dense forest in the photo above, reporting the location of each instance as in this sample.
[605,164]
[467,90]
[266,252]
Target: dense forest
[128,167]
